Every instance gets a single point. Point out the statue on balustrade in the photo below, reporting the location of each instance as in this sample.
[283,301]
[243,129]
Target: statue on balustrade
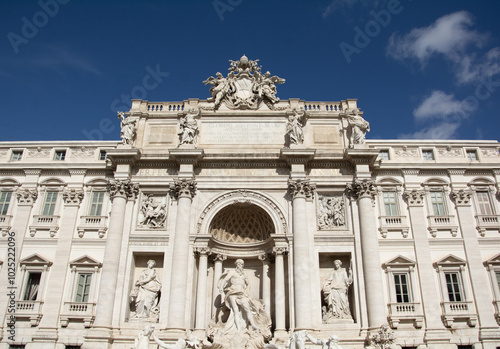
[145,294]
[219,90]
[241,322]
[335,294]
[188,127]
[359,127]
[128,129]
[294,127]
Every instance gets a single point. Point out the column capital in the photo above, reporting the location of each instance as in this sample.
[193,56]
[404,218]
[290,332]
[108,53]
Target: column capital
[362,188]
[26,196]
[301,188]
[414,197]
[183,188]
[461,197]
[72,197]
[219,257]
[122,188]
[280,250]
[202,251]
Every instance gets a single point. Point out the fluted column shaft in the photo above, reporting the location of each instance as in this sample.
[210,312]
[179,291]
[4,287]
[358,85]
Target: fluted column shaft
[279,284]
[375,302]
[300,190]
[201,293]
[184,189]
[119,190]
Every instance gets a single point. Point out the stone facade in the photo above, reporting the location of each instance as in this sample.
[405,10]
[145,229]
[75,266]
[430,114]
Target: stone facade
[330,232]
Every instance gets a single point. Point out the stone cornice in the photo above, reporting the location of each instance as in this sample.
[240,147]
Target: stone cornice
[183,188]
[186,156]
[297,156]
[301,188]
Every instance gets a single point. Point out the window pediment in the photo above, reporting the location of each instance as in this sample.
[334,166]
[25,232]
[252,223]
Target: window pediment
[35,260]
[450,261]
[85,261]
[399,262]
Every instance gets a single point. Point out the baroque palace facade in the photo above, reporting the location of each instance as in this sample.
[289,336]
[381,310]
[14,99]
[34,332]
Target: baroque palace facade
[245,221]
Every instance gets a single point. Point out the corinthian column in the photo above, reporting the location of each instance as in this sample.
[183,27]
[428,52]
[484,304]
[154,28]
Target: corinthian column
[184,190]
[120,191]
[300,190]
[364,191]
[279,284]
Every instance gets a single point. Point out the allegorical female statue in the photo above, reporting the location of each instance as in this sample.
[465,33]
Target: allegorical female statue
[335,293]
[146,290]
[359,127]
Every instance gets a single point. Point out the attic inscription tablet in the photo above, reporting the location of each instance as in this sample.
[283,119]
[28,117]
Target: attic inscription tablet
[243,133]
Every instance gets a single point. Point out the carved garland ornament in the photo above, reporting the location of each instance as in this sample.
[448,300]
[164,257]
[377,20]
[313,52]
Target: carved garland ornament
[124,188]
[243,193]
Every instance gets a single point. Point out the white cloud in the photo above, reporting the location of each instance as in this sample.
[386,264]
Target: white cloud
[444,130]
[439,105]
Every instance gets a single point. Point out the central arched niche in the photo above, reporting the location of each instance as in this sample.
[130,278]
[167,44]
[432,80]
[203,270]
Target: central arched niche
[241,223]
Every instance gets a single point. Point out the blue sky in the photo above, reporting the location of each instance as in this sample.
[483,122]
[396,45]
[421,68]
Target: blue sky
[420,69]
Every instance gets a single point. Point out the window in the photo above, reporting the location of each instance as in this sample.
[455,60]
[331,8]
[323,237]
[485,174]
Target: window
[5,197]
[17,346]
[401,286]
[103,155]
[428,154]
[49,204]
[390,203]
[383,155]
[73,347]
[96,203]
[453,287]
[60,155]
[83,287]
[464,347]
[32,286]
[16,155]
[437,201]
[472,155]
[483,200]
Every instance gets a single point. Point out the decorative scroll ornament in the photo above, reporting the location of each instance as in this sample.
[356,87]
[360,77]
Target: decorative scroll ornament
[128,129]
[245,87]
[362,188]
[383,339]
[183,188]
[26,196]
[414,197]
[330,212]
[461,197]
[72,196]
[124,188]
[301,188]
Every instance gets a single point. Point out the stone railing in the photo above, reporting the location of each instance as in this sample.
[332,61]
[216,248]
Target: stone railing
[93,221]
[442,223]
[485,222]
[323,106]
[405,312]
[459,310]
[393,223]
[45,220]
[165,107]
[31,310]
[79,311]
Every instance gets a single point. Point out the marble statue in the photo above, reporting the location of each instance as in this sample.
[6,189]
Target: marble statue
[188,127]
[359,127]
[192,343]
[146,291]
[245,87]
[128,129]
[294,127]
[142,340]
[153,214]
[384,338]
[331,343]
[247,326]
[331,212]
[335,294]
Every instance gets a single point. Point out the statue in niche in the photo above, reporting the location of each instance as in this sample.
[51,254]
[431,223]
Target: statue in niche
[359,127]
[153,214]
[219,90]
[192,343]
[145,294]
[142,340]
[331,212]
[335,295]
[294,127]
[241,322]
[188,127]
[128,129]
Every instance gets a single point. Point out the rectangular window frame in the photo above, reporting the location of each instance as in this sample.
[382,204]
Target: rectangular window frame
[391,204]
[103,155]
[96,203]
[60,154]
[438,207]
[383,155]
[472,154]
[16,155]
[484,203]
[83,287]
[402,288]
[5,200]
[454,286]
[50,201]
[428,154]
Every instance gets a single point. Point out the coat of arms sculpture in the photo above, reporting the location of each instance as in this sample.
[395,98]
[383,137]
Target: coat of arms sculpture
[245,87]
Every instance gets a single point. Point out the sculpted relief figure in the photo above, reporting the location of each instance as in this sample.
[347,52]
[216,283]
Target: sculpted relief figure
[294,127]
[335,294]
[153,214]
[247,326]
[128,129]
[359,127]
[145,293]
[188,127]
[266,88]
[331,212]
[219,90]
